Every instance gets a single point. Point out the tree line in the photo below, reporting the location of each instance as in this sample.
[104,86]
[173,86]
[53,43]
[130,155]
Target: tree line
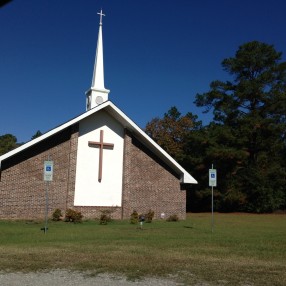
[9,142]
[246,139]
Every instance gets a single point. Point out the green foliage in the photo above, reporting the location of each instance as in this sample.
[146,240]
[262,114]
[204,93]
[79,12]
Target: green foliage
[171,131]
[172,218]
[199,200]
[263,187]
[57,214]
[73,216]
[134,217]
[37,134]
[149,216]
[105,217]
[246,141]
[8,142]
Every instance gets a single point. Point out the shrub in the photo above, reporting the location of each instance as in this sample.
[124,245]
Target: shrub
[149,216]
[134,217]
[57,214]
[73,216]
[105,216]
[173,218]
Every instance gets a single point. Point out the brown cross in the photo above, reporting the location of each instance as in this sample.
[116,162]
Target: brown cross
[101,145]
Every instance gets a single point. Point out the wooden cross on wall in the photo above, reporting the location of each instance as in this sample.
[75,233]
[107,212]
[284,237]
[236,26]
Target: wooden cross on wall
[101,145]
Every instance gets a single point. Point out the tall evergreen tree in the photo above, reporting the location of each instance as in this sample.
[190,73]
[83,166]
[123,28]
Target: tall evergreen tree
[36,135]
[248,133]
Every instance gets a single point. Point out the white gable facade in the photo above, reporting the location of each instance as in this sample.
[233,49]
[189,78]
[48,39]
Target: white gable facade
[89,191]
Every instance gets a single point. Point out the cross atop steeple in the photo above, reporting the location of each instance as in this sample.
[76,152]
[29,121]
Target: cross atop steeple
[97,94]
[101,14]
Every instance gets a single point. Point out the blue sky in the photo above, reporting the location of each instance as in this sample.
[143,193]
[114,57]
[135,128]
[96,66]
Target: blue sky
[157,54]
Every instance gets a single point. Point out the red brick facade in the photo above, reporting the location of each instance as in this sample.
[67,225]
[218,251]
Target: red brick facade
[22,189]
[147,182]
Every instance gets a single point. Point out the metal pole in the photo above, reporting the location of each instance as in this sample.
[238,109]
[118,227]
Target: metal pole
[212,206]
[47,208]
[47,204]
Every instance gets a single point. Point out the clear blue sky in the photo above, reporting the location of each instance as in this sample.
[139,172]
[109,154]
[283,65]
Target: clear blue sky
[157,54]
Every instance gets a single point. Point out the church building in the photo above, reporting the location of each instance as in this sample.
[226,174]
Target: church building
[97,161]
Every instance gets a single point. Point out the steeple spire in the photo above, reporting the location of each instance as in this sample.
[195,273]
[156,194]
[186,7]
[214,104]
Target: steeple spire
[97,94]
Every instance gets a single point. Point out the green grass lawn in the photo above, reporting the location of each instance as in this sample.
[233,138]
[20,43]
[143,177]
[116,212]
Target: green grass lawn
[244,249]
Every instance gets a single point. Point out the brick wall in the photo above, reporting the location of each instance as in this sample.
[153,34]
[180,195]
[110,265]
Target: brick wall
[22,189]
[149,184]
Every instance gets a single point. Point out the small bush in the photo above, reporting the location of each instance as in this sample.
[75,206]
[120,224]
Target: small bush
[105,216]
[149,216]
[134,217]
[73,216]
[57,214]
[173,218]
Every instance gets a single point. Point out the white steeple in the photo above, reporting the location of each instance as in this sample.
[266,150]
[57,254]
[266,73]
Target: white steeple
[97,94]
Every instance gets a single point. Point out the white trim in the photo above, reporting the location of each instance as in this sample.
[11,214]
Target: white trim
[127,123]
[186,178]
[52,132]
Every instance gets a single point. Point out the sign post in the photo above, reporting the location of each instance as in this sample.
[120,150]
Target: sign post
[48,177]
[212,183]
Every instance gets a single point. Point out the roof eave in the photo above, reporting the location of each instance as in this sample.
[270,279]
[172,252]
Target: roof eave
[53,131]
[186,178]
